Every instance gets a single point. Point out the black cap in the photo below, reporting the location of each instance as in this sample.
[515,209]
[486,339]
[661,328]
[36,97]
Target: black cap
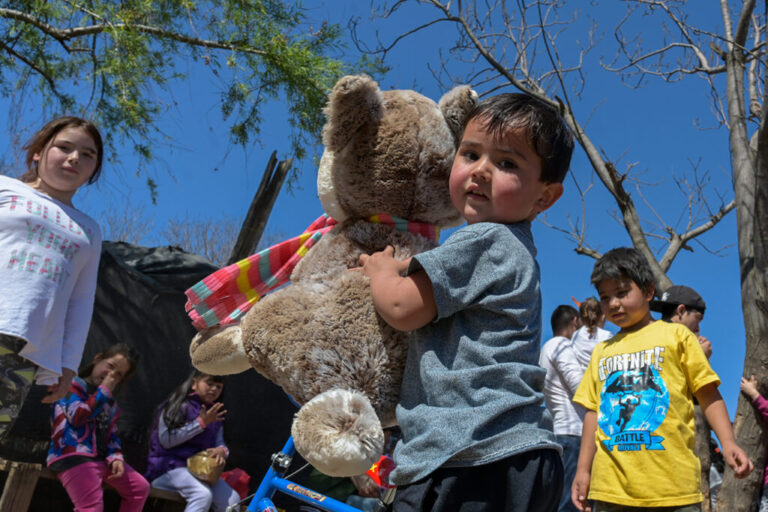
[679,294]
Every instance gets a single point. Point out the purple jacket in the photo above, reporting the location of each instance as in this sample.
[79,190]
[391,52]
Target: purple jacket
[762,406]
[161,460]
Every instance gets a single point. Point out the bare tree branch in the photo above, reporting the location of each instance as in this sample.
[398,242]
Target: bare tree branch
[63,35]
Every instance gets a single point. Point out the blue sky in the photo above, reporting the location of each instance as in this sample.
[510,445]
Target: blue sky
[201,175]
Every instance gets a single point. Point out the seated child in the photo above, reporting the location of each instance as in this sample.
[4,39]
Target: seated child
[638,389]
[474,433]
[190,421]
[85,448]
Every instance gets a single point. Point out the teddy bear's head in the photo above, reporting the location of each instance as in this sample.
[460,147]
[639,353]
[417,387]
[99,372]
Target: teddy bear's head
[390,152]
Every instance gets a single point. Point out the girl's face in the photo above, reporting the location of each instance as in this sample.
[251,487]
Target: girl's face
[65,163]
[116,365]
[207,389]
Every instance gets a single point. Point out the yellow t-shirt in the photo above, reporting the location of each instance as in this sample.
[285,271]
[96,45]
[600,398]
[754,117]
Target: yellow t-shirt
[641,386]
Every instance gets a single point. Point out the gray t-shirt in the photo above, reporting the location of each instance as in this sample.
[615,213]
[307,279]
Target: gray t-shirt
[472,389]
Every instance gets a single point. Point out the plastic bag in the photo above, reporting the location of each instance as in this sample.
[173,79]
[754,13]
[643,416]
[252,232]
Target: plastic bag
[237,479]
[204,467]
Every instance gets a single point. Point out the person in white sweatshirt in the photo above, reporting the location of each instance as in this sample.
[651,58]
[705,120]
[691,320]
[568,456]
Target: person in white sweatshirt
[49,260]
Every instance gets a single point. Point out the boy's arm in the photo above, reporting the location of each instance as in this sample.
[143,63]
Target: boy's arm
[580,486]
[717,415]
[405,303]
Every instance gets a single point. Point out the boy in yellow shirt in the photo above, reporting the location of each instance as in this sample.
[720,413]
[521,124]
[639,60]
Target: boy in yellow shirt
[637,440]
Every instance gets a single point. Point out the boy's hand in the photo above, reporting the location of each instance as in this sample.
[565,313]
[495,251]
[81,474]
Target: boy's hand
[737,459]
[706,346]
[383,261]
[116,469]
[59,390]
[749,387]
[580,491]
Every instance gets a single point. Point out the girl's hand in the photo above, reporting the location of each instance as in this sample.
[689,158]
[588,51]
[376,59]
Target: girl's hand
[213,414]
[749,387]
[383,261]
[59,390]
[116,469]
[111,380]
[580,491]
[736,458]
[219,453]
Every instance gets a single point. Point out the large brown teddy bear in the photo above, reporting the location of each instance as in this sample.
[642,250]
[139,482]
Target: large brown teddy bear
[320,338]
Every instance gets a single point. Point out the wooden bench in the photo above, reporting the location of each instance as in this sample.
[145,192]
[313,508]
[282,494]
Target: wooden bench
[22,480]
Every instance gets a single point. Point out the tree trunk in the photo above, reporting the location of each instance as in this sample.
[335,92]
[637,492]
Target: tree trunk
[750,171]
[261,207]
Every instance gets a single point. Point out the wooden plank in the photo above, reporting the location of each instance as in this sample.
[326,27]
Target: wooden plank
[22,479]
[19,487]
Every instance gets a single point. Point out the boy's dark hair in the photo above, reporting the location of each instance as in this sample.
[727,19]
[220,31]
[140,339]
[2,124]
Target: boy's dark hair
[545,128]
[562,317]
[623,262]
[668,311]
[40,141]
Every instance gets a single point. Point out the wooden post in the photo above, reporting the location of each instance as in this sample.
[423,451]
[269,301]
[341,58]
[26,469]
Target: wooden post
[19,486]
[260,209]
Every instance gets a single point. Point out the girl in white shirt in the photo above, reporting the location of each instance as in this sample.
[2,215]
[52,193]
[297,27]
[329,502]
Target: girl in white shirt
[591,331]
[49,259]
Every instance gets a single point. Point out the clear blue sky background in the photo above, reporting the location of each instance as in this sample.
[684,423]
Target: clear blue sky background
[201,175]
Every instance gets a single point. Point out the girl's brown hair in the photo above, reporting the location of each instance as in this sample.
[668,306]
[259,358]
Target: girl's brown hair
[590,313]
[40,141]
[123,349]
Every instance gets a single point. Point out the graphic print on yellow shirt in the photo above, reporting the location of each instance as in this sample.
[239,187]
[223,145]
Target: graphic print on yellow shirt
[633,401]
[640,385]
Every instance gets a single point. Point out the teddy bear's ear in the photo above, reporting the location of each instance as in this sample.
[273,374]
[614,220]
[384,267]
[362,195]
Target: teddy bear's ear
[354,101]
[455,105]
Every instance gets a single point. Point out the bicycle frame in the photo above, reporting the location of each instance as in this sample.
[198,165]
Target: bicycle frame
[273,481]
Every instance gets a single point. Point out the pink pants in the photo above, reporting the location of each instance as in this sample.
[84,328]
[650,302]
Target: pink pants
[83,484]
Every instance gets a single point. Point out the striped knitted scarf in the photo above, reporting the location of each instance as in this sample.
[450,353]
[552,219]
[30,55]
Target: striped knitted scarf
[224,296]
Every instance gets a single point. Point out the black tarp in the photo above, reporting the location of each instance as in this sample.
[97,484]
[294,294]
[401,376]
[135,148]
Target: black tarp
[140,301]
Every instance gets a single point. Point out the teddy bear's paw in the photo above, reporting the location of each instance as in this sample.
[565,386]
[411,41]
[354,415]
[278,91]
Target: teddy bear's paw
[219,351]
[339,433]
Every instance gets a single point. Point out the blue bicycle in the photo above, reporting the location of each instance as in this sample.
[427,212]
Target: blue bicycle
[274,481]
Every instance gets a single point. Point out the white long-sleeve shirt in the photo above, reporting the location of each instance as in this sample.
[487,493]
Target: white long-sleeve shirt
[49,260]
[564,373]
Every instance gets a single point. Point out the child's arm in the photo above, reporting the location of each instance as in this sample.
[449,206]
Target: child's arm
[114,454]
[749,387]
[717,415]
[169,439]
[220,452]
[59,390]
[565,363]
[78,409]
[405,303]
[80,310]
[580,486]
